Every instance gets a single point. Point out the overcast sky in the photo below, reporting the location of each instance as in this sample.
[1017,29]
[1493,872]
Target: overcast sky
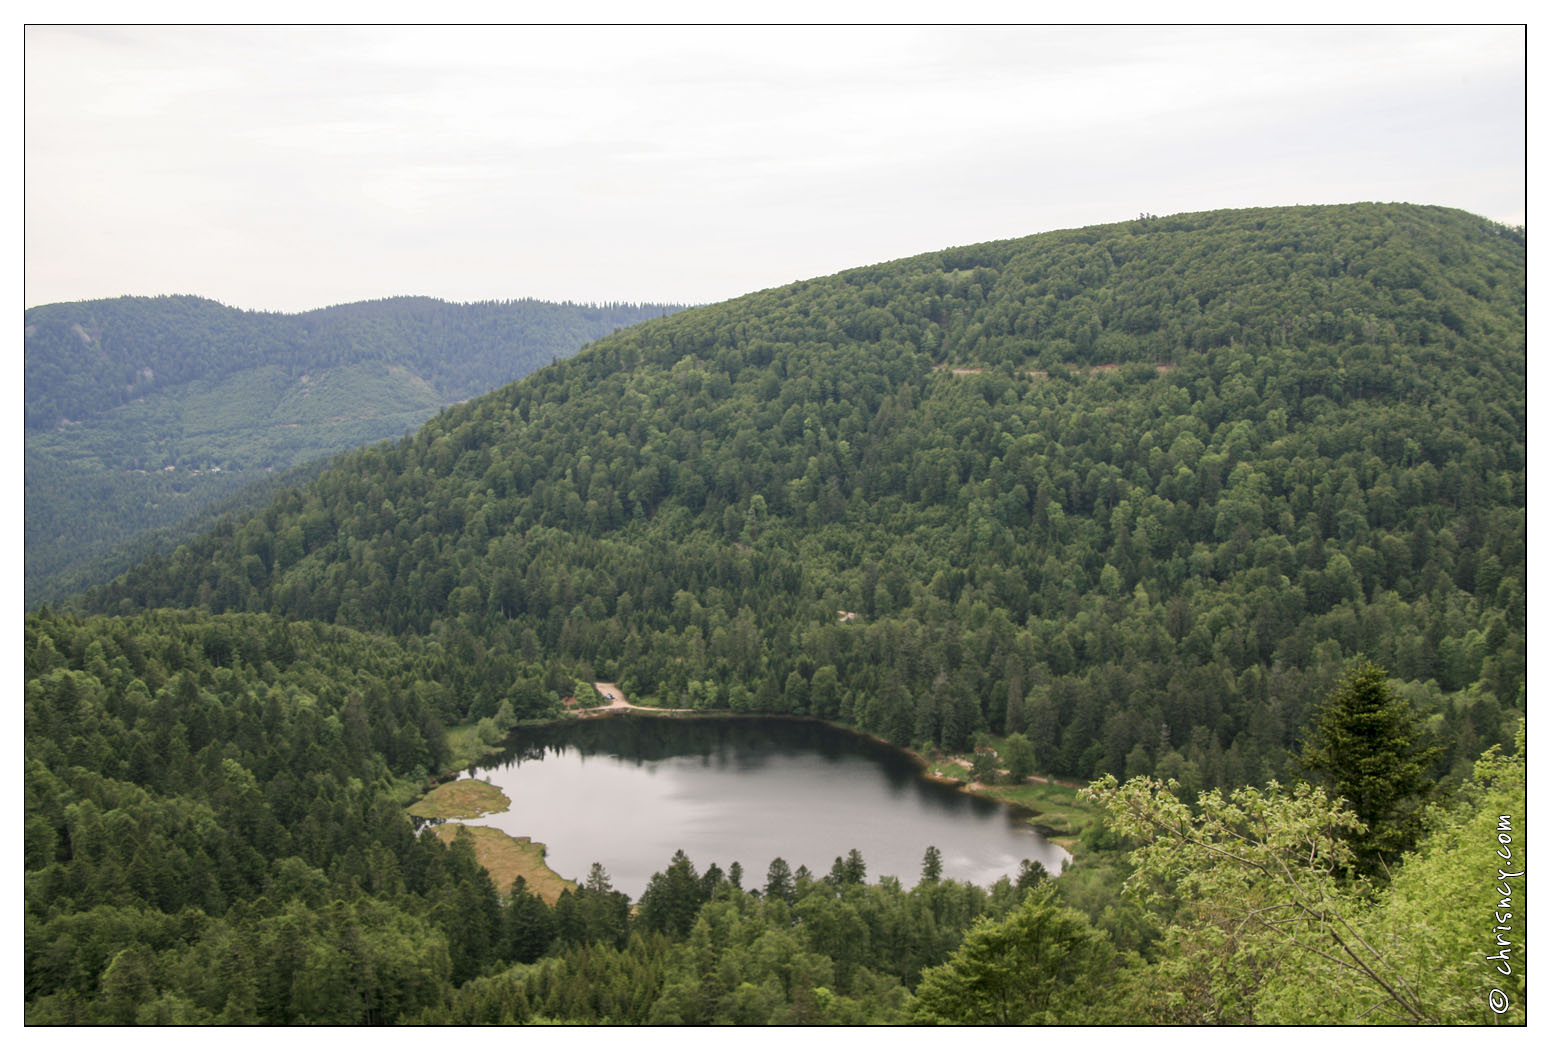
[286,169]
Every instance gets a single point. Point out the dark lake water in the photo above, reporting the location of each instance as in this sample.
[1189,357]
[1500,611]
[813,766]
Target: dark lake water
[628,791]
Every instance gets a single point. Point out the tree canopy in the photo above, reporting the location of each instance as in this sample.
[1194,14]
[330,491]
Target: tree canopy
[1138,492]
[1135,496]
[1369,747]
[143,412]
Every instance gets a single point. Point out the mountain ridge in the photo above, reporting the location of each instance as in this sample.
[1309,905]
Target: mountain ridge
[143,411]
[1149,568]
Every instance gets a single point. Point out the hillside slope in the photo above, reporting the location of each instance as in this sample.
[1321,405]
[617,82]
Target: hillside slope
[1139,491]
[141,412]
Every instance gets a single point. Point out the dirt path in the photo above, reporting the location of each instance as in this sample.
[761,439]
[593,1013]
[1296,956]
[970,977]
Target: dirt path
[615,698]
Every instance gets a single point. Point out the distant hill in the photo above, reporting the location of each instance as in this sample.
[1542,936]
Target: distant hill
[1140,491]
[143,412]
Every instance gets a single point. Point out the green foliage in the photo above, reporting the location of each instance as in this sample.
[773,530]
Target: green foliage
[1369,747]
[1186,471]
[779,882]
[211,831]
[1044,965]
[673,897]
[1256,879]
[844,953]
[1261,928]
[1135,495]
[985,767]
[268,878]
[1018,753]
[1452,921]
[931,865]
[143,413]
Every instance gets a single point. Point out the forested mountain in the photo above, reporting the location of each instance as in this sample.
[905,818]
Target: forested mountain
[1144,493]
[1139,491]
[142,412]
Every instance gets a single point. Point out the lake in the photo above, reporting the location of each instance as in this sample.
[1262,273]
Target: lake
[628,791]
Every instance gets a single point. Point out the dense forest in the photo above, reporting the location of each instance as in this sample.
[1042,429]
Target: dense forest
[1137,491]
[142,412]
[214,833]
[1146,494]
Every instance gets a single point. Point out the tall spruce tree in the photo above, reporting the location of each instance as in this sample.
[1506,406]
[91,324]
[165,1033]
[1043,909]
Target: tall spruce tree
[1369,747]
[931,865]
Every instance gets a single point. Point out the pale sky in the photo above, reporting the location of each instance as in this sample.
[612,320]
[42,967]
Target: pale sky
[287,169]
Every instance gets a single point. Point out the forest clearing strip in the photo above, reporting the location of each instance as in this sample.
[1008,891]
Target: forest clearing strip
[1041,374]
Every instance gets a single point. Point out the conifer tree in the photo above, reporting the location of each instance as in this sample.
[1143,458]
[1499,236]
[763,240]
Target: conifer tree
[778,880]
[1369,747]
[931,865]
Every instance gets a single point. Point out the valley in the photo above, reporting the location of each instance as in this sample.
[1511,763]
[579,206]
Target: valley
[1221,516]
[216,404]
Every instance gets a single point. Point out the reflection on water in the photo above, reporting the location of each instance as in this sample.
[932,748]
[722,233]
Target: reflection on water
[629,791]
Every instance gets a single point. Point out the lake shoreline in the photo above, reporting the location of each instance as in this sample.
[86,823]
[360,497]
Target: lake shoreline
[1066,841]
[805,787]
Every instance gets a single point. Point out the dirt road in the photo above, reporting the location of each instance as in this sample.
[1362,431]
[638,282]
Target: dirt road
[615,701]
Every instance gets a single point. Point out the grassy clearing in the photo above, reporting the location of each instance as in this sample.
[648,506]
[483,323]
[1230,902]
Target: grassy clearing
[950,769]
[461,799]
[506,857]
[1056,807]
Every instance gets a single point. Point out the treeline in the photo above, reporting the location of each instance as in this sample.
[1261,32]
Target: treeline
[214,833]
[1139,492]
[86,358]
[798,949]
